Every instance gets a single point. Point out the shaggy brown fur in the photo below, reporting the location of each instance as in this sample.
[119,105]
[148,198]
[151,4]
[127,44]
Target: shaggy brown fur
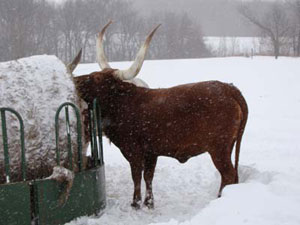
[180,122]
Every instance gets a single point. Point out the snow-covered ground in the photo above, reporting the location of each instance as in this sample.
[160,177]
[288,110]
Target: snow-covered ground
[186,194]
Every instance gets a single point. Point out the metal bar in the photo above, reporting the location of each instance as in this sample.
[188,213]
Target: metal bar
[79,133]
[79,136]
[70,154]
[91,131]
[24,166]
[99,126]
[96,155]
[79,139]
[5,145]
[57,136]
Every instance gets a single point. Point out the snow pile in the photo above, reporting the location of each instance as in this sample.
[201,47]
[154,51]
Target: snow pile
[186,194]
[35,87]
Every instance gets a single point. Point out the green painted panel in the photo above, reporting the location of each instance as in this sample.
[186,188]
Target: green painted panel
[15,204]
[87,197]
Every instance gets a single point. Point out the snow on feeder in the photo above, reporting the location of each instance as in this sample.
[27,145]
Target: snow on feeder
[32,145]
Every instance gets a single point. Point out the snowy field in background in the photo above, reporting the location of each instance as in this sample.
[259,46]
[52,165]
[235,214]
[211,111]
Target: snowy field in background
[228,46]
[243,46]
[186,194]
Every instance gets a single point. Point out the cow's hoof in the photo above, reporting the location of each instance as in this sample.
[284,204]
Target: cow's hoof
[135,205]
[149,204]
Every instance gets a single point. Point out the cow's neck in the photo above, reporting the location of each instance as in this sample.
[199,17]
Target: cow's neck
[118,100]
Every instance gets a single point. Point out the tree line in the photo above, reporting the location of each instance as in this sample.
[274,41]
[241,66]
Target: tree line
[279,21]
[275,23]
[30,27]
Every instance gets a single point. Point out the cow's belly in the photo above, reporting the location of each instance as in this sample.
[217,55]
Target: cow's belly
[181,153]
[184,155]
[190,139]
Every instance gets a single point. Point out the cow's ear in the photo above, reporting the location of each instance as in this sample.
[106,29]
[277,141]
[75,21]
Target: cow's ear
[71,66]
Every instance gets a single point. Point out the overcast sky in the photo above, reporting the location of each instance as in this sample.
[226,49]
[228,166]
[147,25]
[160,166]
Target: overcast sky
[165,0]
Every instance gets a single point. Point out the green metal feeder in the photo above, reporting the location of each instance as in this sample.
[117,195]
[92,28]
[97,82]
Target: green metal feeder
[38,201]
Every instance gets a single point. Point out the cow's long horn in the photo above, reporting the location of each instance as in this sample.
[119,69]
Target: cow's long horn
[137,65]
[101,58]
[71,67]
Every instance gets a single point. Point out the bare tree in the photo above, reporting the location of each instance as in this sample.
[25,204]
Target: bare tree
[16,19]
[273,21]
[179,38]
[45,33]
[27,27]
[30,27]
[80,21]
[130,32]
[294,6]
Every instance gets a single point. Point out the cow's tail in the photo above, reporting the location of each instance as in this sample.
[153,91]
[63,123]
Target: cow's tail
[244,108]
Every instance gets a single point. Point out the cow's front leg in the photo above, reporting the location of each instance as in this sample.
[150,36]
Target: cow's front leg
[150,163]
[136,173]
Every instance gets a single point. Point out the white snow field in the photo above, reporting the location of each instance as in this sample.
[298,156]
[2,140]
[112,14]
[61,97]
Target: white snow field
[186,194]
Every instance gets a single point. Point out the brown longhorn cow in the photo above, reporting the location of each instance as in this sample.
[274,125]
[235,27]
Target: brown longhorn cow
[180,122]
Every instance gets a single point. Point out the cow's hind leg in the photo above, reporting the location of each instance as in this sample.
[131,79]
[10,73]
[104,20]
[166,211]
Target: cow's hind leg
[136,173]
[149,168]
[222,161]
